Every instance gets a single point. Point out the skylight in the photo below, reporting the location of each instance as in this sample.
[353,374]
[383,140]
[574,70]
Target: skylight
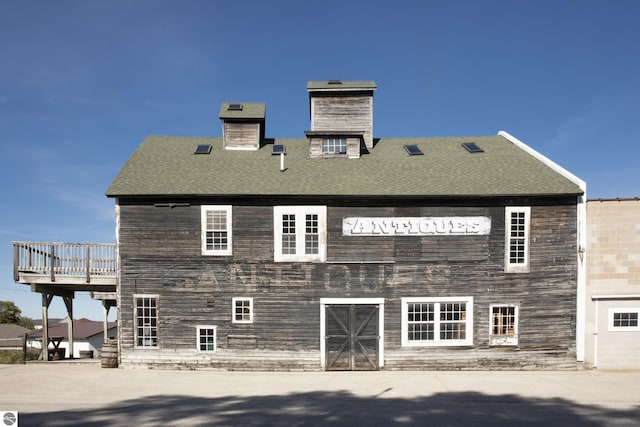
[413,150]
[278,149]
[235,107]
[335,82]
[203,149]
[472,147]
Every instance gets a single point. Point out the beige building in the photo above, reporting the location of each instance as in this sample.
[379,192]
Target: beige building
[613,284]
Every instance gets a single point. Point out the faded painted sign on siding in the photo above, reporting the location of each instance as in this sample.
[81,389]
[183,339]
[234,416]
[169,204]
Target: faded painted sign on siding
[417,226]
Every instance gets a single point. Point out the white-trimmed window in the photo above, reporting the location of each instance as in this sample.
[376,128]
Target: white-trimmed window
[624,319]
[334,145]
[146,318]
[504,324]
[216,230]
[299,233]
[517,224]
[206,337]
[242,310]
[441,321]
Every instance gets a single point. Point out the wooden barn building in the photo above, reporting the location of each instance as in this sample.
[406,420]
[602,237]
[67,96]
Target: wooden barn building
[340,251]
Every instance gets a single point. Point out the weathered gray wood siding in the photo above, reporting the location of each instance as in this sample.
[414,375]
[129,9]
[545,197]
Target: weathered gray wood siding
[241,135]
[160,255]
[351,111]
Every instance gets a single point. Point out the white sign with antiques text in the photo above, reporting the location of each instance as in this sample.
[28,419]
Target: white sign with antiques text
[417,226]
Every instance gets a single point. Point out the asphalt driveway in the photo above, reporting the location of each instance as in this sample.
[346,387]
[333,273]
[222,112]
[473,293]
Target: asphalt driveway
[67,394]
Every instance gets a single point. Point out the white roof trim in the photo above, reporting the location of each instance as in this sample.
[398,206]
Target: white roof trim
[553,165]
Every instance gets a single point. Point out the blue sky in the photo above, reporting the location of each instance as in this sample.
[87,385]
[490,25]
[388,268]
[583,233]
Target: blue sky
[82,83]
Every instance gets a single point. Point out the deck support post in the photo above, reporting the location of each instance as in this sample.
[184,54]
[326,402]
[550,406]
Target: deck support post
[105,321]
[46,301]
[68,302]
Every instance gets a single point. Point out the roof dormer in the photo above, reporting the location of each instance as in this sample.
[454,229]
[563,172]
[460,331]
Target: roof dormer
[335,144]
[338,106]
[242,125]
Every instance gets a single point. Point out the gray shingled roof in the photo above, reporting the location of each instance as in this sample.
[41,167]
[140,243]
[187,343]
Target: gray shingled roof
[168,166]
[10,331]
[250,110]
[343,85]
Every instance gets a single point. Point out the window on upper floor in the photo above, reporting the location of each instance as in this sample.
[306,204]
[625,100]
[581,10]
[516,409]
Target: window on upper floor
[440,321]
[517,225]
[216,230]
[504,325]
[299,233]
[334,146]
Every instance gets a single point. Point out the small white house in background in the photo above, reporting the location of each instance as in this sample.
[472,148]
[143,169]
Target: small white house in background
[88,336]
[37,323]
[613,284]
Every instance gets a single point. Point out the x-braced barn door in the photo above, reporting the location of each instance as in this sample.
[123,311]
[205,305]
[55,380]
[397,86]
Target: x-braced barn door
[351,337]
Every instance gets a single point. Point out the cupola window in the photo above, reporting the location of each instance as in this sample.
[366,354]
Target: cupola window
[334,146]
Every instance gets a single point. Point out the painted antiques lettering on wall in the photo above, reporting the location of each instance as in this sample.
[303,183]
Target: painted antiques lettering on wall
[329,276]
[417,226]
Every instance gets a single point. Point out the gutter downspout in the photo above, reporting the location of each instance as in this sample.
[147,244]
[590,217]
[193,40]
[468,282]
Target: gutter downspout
[595,337]
[581,213]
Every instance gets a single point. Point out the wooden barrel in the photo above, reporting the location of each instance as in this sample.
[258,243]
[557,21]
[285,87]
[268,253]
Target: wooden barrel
[109,354]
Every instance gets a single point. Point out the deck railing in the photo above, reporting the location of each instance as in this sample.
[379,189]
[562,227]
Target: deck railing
[64,259]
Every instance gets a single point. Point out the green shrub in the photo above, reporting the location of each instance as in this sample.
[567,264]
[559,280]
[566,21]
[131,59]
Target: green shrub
[16,356]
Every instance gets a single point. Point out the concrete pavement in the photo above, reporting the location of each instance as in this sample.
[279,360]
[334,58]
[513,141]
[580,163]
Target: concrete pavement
[66,394]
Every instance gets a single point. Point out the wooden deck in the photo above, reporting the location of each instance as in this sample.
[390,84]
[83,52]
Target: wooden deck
[66,266]
[62,269]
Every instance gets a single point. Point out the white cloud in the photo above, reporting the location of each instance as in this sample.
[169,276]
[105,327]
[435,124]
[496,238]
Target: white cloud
[605,115]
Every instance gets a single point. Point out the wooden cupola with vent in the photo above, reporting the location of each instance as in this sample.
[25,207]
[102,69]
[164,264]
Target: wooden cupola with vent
[243,125]
[341,117]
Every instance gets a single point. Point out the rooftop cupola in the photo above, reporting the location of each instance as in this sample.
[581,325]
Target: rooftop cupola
[242,125]
[342,107]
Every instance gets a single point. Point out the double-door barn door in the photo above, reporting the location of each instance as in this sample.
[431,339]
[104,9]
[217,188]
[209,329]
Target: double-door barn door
[352,337]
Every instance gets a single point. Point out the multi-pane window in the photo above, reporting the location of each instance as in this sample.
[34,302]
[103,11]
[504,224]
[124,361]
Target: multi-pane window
[289,234]
[453,321]
[216,230]
[299,233]
[206,336]
[420,321]
[437,321]
[311,235]
[146,321]
[624,319]
[504,325]
[517,239]
[242,310]
[334,146]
